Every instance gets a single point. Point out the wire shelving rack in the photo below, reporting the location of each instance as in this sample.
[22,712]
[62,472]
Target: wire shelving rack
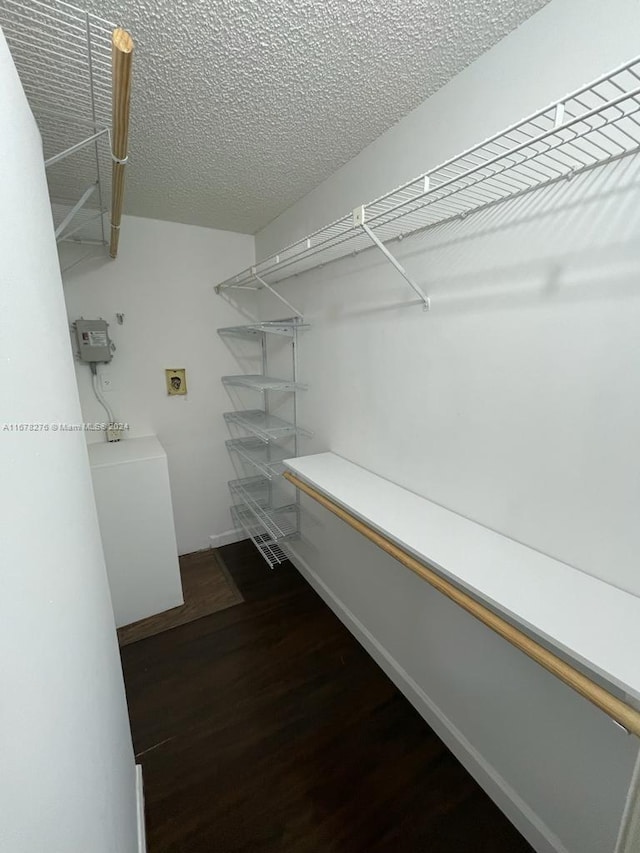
[258,382]
[594,125]
[268,459]
[262,505]
[254,331]
[272,551]
[264,426]
[64,58]
[253,494]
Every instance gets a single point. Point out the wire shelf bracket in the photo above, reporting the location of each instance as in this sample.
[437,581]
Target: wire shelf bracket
[73,149]
[80,227]
[77,207]
[263,283]
[360,218]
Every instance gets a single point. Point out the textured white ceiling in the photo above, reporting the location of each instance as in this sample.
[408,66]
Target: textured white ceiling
[240,107]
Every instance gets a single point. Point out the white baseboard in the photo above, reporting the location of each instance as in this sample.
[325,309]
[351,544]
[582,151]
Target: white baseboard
[526,821]
[629,838]
[217,540]
[142,832]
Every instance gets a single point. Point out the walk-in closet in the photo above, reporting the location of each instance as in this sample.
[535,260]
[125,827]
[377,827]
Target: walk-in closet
[318,441]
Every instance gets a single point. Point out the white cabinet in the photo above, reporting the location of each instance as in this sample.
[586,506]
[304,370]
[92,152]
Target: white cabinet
[131,486]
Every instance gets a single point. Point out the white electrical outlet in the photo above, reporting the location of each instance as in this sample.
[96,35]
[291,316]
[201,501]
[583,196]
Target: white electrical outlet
[114,433]
[106,382]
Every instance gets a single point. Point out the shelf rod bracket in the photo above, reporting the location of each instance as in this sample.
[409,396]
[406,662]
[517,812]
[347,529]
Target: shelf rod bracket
[359,219]
[275,293]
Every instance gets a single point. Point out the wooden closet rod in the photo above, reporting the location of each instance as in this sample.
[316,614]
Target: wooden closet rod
[619,711]
[121,56]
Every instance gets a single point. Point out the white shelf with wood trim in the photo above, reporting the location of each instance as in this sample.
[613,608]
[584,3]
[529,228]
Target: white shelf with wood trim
[594,125]
[583,630]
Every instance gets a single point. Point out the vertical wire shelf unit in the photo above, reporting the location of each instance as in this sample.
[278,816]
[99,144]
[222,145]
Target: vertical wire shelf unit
[75,69]
[257,506]
[595,125]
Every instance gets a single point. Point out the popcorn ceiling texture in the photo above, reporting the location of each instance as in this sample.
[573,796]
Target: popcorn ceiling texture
[241,107]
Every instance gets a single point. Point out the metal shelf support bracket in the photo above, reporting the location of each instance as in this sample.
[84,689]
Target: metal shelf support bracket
[275,293]
[77,147]
[359,219]
[77,207]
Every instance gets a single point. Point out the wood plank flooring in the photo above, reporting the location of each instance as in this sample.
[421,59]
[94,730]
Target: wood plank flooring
[207,588]
[266,727]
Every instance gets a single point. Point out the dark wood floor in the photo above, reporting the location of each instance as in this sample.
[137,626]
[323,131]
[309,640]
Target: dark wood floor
[207,587]
[265,727]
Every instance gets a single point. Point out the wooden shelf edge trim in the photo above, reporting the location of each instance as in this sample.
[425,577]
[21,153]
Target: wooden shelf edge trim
[619,711]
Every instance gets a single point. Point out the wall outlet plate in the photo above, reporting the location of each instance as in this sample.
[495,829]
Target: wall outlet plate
[114,433]
[106,382]
[176,380]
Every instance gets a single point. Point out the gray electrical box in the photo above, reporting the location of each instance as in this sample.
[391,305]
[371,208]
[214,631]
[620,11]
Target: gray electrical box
[93,340]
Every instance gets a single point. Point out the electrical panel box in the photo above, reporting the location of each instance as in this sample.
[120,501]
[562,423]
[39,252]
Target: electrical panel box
[93,339]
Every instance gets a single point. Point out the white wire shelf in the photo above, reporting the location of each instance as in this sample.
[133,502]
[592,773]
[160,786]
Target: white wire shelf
[264,426]
[285,328]
[273,552]
[594,125]
[63,58]
[254,495]
[258,382]
[267,458]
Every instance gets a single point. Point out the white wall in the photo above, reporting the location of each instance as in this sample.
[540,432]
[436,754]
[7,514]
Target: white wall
[514,402]
[162,281]
[67,777]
